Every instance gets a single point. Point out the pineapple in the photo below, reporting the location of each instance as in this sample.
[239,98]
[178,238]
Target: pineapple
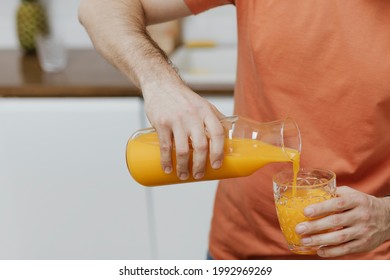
[31,21]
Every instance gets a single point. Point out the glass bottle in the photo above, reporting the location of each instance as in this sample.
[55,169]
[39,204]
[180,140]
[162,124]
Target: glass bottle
[248,146]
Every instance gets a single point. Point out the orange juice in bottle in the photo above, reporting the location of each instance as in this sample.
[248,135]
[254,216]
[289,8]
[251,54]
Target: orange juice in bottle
[248,146]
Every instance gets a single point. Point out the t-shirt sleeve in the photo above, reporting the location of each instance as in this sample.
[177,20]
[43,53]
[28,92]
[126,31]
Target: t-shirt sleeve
[198,6]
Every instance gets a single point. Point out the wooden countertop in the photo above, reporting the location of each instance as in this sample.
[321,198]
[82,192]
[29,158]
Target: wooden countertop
[86,75]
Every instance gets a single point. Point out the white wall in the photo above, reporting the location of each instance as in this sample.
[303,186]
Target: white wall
[217,24]
[62,16]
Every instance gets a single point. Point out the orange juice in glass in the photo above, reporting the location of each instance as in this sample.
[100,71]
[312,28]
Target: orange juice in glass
[312,186]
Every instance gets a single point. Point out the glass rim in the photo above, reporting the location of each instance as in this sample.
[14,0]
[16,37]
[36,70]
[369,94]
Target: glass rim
[290,172]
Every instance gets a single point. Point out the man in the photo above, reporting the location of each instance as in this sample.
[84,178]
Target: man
[326,63]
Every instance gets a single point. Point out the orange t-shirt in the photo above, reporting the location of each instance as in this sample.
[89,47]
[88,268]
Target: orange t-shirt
[325,63]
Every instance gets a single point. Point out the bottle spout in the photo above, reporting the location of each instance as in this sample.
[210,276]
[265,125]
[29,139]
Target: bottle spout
[291,137]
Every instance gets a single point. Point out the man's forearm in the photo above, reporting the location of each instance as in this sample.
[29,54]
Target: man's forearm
[118,31]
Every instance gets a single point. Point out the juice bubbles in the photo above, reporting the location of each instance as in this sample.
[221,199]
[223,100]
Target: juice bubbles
[312,186]
[242,157]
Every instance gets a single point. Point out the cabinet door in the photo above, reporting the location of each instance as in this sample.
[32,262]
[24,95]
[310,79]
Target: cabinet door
[182,212]
[65,189]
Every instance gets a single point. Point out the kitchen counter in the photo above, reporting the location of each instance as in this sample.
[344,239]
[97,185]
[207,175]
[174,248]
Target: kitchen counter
[86,75]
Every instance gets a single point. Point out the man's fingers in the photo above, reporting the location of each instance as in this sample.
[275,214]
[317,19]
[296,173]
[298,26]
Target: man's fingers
[165,138]
[216,136]
[182,153]
[200,152]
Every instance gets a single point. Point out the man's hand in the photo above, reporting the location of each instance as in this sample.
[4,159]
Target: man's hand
[181,117]
[362,223]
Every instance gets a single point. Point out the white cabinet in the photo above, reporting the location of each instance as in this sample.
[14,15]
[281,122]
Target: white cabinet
[182,213]
[65,192]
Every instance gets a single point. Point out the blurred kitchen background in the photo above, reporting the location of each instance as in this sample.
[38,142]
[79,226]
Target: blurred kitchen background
[65,191]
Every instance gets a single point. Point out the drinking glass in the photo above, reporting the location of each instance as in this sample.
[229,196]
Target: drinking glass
[52,54]
[312,186]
